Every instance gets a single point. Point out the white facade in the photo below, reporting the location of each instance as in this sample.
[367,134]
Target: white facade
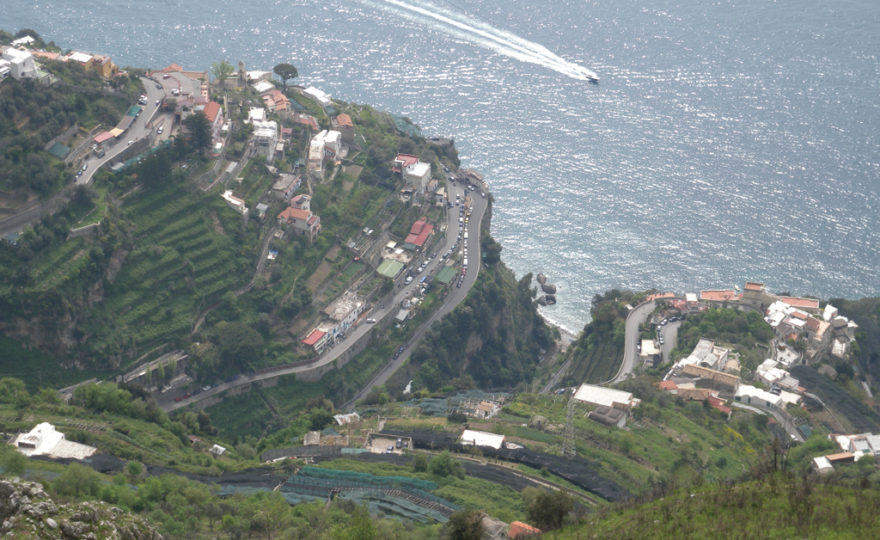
[418,175]
[755,396]
[256,114]
[21,63]
[263,86]
[481,438]
[265,138]
[318,95]
[44,440]
[600,395]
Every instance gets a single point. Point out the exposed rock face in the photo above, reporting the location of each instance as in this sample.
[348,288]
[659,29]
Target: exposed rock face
[541,278]
[26,511]
[548,288]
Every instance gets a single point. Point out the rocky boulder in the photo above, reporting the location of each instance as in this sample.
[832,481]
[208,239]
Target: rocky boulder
[27,511]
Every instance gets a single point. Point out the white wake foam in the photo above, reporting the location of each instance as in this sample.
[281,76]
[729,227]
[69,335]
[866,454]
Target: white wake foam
[483,34]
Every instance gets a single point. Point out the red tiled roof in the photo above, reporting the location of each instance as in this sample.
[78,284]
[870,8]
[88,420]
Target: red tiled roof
[406,159]
[813,324]
[419,233]
[799,315]
[309,121]
[718,403]
[753,286]
[211,110]
[103,137]
[344,120]
[805,303]
[290,213]
[667,385]
[843,456]
[718,296]
[313,337]
[518,528]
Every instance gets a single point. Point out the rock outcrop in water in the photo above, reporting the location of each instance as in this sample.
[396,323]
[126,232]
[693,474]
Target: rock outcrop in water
[548,289]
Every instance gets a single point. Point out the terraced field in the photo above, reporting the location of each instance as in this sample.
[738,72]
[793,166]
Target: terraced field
[179,263]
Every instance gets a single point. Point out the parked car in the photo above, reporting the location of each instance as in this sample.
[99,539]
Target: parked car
[371,320]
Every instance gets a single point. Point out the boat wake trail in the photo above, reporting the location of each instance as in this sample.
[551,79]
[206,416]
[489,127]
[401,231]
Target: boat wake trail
[482,34]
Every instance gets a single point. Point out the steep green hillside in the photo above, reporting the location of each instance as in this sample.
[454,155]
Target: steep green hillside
[596,354]
[774,507]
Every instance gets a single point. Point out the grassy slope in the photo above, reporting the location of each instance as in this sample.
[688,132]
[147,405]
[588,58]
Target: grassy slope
[772,508]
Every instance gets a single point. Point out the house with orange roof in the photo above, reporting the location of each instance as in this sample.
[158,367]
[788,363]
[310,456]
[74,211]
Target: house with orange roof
[344,125]
[420,232]
[316,339]
[518,529]
[302,221]
[214,114]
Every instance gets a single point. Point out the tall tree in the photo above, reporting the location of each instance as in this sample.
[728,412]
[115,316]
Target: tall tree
[286,72]
[221,71]
[199,131]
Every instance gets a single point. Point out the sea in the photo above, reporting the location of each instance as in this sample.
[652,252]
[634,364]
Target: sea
[725,140]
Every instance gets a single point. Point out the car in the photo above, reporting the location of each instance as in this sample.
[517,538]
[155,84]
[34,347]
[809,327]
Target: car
[390,449]
[399,442]
[158,86]
[371,320]
[483,194]
[206,388]
[166,76]
[446,169]
[408,280]
[130,142]
[178,398]
[158,101]
[663,322]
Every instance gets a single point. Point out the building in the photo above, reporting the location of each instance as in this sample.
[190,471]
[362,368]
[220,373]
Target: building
[343,312]
[285,186]
[265,138]
[609,397]
[518,529]
[419,233]
[256,114]
[276,102]
[414,172]
[317,339]
[318,95]
[706,354]
[717,379]
[301,221]
[214,114]
[44,440]
[719,298]
[262,86]
[755,396]
[470,437]
[608,416]
[234,202]
[20,64]
[344,125]
[217,450]
[325,145]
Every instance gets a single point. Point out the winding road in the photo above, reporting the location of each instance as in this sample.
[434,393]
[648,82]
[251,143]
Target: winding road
[388,309]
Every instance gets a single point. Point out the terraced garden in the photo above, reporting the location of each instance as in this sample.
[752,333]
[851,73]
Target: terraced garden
[179,264]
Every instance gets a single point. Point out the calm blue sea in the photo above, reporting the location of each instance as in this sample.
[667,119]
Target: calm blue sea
[727,140]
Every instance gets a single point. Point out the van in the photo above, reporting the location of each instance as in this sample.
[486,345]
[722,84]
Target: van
[464,263]
[465,234]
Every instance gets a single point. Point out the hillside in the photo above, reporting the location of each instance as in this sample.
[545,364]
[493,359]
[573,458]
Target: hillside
[774,507]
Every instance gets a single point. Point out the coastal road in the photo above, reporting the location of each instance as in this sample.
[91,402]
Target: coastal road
[139,129]
[637,316]
[33,212]
[456,296]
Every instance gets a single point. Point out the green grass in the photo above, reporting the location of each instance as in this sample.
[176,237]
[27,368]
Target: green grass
[774,507]
[36,368]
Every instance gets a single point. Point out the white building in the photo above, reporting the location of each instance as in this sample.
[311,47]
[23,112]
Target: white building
[234,202]
[44,440]
[706,354]
[265,138]
[263,85]
[752,395]
[343,312]
[470,437]
[609,397]
[21,63]
[256,114]
[318,95]
[326,144]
